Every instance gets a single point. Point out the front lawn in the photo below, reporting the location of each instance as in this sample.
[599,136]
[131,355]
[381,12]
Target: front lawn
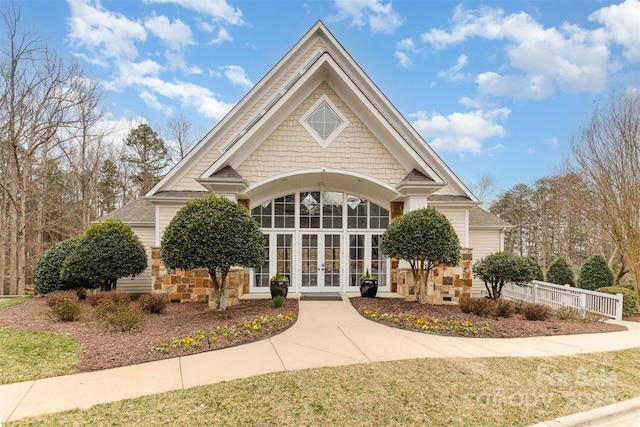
[435,392]
[29,355]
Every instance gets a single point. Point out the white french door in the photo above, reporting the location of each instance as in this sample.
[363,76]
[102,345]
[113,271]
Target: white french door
[321,255]
[365,253]
[322,241]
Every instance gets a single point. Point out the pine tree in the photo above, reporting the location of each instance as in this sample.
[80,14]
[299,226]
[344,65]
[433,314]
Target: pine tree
[147,156]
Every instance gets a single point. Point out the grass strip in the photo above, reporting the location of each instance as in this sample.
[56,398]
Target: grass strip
[29,355]
[14,301]
[437,392]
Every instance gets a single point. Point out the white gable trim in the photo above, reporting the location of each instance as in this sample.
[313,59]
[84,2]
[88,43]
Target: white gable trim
[274,99]
[209,141]
[324,69]
[424,157]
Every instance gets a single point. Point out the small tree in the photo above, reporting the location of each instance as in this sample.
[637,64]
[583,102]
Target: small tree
[595,273]
[107,251]
[560,273]
[501,267]
[425,239]
[46,273]
[213,233]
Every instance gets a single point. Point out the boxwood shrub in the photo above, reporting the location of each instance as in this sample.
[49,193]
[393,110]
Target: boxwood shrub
[46,273]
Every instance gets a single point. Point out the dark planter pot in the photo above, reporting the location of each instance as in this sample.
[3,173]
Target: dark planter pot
[368,288]
[279,288]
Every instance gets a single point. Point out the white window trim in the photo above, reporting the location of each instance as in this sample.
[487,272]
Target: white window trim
[324,143]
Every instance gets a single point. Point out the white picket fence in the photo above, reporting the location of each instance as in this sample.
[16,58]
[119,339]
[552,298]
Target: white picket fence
[557,296]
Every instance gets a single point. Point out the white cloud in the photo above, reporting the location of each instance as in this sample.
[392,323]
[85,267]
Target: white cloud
[175,35]
[176,60]
[471,102]
[152,101]
[195,70]
[112,34]
[461,132]
[206,26]
[237,76]
[514,86]
[223,36]
[567,57]
[115,131]
[404,48]
[380,17]
[403,58]
[218,10]
[156,92]
[453,73]
[621,24]
[132,72]
[189,95]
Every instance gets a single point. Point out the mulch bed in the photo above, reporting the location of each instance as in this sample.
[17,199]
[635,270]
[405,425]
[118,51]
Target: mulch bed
[103,347]
[512,327]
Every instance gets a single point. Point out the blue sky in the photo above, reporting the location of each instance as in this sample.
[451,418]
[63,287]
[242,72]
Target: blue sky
[496,87]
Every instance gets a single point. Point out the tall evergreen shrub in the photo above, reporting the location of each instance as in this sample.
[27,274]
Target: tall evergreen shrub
[595,273]
[560,273]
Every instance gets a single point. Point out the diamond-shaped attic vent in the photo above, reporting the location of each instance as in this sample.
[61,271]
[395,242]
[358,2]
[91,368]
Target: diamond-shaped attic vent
[324,121]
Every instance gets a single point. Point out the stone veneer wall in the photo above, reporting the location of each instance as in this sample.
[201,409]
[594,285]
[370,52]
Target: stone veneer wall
[451,282]
[194,285]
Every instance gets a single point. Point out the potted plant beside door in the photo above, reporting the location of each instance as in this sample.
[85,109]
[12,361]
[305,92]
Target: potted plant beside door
[279,285]
[368,285]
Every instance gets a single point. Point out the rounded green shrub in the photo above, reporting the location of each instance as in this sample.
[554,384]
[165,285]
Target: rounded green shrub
[107,251]
[215,233]
[46,273]
[425,238]
[595,273]
[502,267]
[629,298]
[560,273]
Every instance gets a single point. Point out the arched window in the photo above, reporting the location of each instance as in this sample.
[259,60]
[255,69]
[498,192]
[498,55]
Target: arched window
[321,209]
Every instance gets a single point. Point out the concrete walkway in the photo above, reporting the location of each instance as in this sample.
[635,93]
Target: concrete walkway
[327,333]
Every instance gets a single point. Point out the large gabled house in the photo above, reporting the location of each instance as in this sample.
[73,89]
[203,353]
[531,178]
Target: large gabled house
[324,162]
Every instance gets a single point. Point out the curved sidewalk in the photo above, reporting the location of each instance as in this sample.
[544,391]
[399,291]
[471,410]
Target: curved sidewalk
[327,333]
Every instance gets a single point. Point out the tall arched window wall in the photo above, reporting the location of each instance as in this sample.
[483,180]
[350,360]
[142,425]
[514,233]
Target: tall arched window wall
[322,240]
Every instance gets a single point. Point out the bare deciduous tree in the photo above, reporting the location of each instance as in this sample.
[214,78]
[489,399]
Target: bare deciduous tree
[180,136]
[485,187]
[40,99]
[608,156]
